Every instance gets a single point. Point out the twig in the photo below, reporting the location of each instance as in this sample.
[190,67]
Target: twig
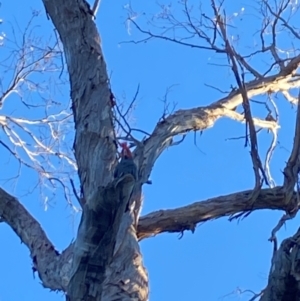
[133,101]
[96,7]
[281,222]
[66,192]
[152,35]
[179,141]
[269,155]
[257,165]
[80,200]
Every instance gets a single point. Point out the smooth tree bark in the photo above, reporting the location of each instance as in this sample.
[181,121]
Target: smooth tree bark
[105,262]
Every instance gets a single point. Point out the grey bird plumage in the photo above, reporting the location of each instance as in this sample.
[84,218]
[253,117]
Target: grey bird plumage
[126,169]
[125,166]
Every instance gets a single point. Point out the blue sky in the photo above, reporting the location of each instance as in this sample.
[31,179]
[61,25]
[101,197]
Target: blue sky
[220,256]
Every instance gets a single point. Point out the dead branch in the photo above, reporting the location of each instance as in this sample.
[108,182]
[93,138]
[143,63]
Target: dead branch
[269,155]
[292,168]
[207,32]
[291,178]
[201,118]
[292,99]
[187,217]
[257,164]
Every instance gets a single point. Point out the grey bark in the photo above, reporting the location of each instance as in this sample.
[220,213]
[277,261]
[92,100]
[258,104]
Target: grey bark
[105,256]
[187,217]
[106,260]
[284,276]
[96,239]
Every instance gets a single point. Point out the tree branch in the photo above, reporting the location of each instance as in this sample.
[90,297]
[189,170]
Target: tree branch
[292,168]
[102,221]
[187,217]
[201,118]
[256,161]
[50,265]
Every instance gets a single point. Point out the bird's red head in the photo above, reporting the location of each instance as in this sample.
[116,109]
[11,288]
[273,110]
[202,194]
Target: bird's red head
[125,152]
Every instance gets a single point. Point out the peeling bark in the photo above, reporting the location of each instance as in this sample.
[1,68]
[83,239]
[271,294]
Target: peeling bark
[187,217]
[284,277]
[96,239]
[94,143]
[96,277]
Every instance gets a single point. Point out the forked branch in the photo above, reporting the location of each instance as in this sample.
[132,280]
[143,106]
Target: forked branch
[201,118]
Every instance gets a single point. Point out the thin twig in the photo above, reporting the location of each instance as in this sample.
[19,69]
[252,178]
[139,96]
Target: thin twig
[96,7]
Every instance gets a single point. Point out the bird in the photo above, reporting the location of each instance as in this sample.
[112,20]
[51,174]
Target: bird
[126,166]
[126,170]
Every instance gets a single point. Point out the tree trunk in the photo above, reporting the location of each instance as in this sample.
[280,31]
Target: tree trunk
[284,277]
[107,262]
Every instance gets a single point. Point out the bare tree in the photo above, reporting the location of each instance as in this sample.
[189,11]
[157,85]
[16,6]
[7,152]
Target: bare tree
[105,261]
